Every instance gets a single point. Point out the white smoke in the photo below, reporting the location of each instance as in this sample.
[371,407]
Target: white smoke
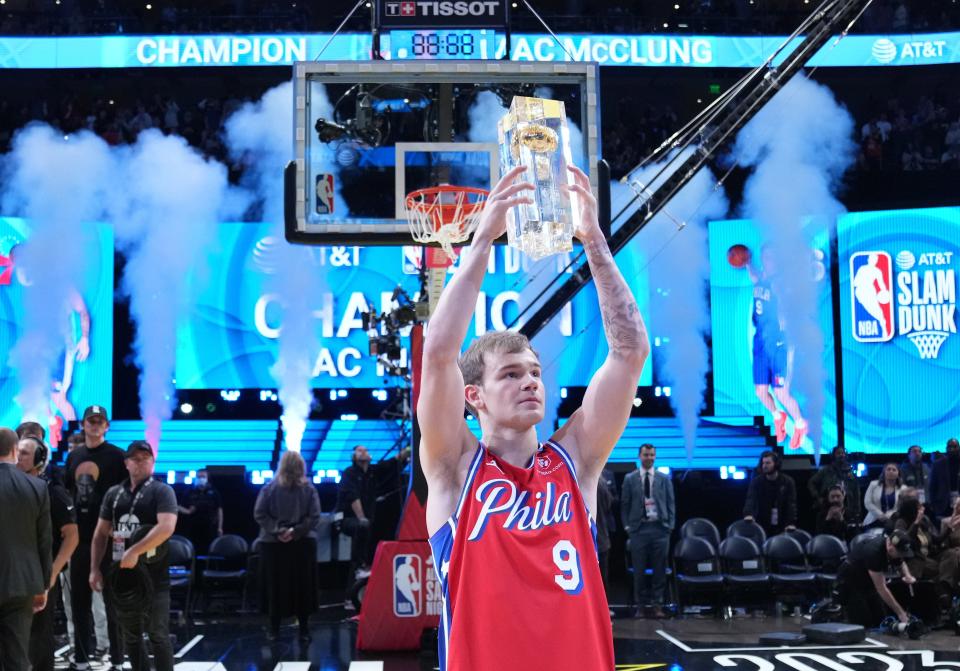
[675,241]
[799,144]
[57,182]
[165,209]
[262,133]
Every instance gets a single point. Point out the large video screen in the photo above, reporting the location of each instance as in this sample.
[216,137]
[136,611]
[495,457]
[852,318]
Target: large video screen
[230,339]
[901,352]
[732,323]
[82,374]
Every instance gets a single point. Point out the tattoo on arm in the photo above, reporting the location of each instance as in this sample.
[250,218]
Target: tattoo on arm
[622,323]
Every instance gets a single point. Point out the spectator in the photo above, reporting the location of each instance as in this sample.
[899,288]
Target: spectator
[834,518]
[361,484]
[91,470]
[25,563]
[949,565]
[932,593]
[945,481]
[607,502]
[648,511]
[32,457]
[772,497]
[204,511]
[288,511]
[882,495]
[135,520]
[915,473]
[838,472]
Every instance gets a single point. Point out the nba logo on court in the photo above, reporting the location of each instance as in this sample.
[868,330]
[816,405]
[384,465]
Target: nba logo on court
[871,288]
[407,586]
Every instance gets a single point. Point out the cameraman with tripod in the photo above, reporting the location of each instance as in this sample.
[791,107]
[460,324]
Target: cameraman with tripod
[136,519]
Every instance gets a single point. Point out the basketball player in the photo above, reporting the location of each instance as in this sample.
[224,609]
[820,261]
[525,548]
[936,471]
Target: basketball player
[510,517]
[772,358]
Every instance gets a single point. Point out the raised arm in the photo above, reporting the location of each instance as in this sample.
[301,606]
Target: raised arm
[444,434]
[599,422]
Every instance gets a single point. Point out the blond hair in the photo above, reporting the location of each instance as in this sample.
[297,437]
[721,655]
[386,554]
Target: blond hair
[292,469]
[473,362]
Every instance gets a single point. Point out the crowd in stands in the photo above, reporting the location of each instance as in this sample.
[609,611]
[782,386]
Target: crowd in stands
[80,17]
[919,135]
[922,136]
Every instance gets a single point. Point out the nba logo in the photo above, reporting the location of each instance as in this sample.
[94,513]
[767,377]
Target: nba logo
[325,193]
[412,259]
[871,294]
[407,586]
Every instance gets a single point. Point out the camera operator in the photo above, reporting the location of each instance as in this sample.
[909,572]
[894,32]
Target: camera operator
[138,581]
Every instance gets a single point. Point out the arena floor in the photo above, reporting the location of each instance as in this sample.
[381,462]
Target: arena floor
[691,644]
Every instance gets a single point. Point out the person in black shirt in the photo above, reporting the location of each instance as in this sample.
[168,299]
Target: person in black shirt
[91,470]
[945,482]
[772,497]
[140,501]
[32,456]
[861,580]
[835,518]
[360,487]
[915,473]
[204,511]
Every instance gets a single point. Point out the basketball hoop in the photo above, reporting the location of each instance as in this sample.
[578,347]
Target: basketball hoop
[928,343]
[444,215]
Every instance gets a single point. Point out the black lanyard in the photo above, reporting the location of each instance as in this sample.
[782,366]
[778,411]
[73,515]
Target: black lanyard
[136,500]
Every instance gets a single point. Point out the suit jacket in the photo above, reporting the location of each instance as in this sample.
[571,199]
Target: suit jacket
[631,500]
[25,549]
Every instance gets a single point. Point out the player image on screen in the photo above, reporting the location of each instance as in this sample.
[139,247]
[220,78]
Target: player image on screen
[75,329]
[772,356]
[512,535]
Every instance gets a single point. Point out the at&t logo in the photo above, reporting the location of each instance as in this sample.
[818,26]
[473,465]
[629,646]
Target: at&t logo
[918,302]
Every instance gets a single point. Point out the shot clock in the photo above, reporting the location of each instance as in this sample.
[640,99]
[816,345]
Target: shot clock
[441,29]
[463,44]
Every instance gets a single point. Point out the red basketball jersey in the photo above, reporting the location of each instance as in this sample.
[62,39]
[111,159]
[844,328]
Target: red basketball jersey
[518,566]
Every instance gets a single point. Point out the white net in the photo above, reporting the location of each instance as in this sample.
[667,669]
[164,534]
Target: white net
[928,343]
[446,216]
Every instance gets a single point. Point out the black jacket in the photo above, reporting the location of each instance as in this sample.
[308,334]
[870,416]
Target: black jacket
[25,548]
[939,503]
[785,503]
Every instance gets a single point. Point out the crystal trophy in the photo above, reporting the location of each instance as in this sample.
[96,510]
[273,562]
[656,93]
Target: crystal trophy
[534,134]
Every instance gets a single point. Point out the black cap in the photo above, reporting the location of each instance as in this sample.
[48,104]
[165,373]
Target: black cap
[95,411]
[901,542]
[140,446]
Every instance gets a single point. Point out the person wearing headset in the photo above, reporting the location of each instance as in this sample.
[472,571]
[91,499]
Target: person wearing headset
[772,497]
[32,458]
